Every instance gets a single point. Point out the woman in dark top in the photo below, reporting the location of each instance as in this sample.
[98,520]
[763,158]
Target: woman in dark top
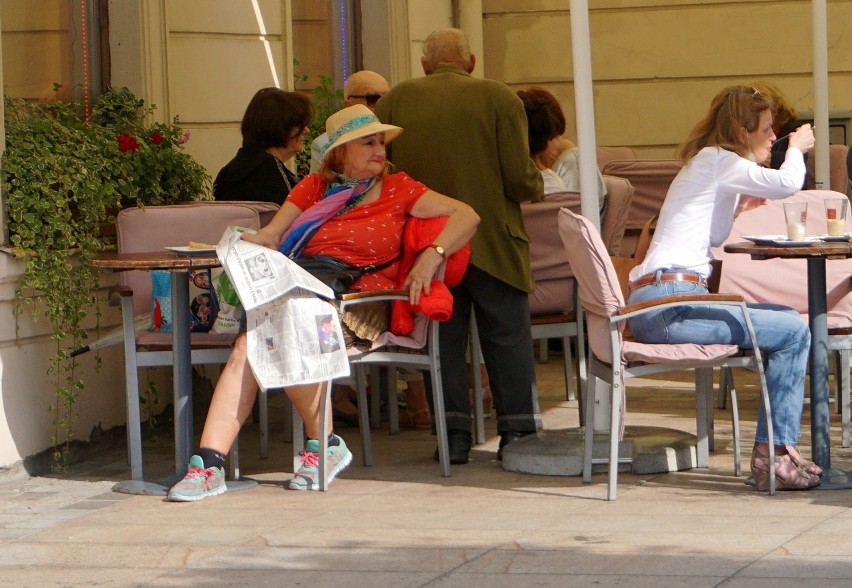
[273,129]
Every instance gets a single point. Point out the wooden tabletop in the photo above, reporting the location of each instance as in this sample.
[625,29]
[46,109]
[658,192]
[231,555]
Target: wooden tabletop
[153,260]
[841,250]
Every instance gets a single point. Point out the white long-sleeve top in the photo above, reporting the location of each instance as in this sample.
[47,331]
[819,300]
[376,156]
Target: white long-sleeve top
[567,167]
[698,212]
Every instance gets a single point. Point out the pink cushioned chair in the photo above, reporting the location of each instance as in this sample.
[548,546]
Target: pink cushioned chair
[554,309]
[150,229]
[650,179]
[838,170]
[614,358]
[607,154]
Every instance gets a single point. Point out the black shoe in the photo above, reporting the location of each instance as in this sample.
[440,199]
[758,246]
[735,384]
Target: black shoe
[459,443]
[508,437]
[344,419]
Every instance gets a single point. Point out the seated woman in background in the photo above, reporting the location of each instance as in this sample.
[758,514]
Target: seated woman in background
[721,156]
[785,119]
[354,210]
[273,129]
[555,155]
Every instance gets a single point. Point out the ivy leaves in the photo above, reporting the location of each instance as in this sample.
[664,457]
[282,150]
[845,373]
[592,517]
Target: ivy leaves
[63,178]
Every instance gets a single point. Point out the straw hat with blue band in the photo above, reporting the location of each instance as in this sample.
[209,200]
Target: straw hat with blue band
[355,122]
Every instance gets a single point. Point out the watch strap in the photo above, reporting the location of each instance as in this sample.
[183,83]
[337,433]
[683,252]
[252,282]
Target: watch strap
[439,249]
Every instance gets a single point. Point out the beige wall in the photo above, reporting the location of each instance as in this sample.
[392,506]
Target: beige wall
[424,17]
[203,60]
[26,389]
[36,37]
[657,63]
[208,63]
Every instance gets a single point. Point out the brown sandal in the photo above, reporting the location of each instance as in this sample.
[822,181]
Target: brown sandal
[419,419]
[788,475]
[803,464]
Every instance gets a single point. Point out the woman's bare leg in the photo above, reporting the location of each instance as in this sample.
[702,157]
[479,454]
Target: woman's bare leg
[232,401]
[234,397]
[306,400]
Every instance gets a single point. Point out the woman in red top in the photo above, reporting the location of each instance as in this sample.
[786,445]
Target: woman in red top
[370,233]
[354,210]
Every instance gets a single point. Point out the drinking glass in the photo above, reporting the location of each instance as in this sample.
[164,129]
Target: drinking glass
[835,215]
[796,214]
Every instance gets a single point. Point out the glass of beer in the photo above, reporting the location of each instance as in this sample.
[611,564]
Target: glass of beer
[835,215]
[796,215]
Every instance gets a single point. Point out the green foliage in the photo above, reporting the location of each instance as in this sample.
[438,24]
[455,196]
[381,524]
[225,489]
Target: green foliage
[63,179]
[326,101]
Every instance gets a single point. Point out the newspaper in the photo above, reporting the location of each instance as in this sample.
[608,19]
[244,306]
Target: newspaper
[293,336]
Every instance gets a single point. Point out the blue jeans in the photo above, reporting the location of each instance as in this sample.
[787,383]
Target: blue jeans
[782,335]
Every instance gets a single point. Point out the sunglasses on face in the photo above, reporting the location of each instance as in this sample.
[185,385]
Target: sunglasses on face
[299,134]
[370,99]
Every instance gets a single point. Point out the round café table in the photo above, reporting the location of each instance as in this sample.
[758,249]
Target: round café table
[816,255]
[180,265]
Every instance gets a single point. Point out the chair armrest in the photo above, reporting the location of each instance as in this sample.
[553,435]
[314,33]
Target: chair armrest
[361,294]
[360,297]
[667,301]
[116,293]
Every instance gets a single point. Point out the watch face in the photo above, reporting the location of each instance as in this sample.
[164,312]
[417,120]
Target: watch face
[439,249]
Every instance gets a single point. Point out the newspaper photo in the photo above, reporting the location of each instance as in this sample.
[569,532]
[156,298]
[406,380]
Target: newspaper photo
[293,336]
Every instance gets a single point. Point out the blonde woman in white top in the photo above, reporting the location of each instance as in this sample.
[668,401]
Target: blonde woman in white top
[722,159]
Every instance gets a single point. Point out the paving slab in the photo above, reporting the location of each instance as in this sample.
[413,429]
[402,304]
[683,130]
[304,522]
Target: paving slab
[400,523]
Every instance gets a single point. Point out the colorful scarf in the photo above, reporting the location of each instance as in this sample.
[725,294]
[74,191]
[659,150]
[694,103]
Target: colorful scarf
[339,197]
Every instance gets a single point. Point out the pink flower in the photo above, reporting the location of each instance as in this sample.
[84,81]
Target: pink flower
[185,138]
[156,138]
[127,143]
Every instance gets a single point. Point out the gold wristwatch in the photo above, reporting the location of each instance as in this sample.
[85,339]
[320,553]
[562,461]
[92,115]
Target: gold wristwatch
[439,249]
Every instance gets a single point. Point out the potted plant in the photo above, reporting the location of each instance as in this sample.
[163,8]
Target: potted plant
[65,175]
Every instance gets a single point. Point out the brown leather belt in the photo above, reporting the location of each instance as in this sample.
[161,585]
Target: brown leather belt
[649,279]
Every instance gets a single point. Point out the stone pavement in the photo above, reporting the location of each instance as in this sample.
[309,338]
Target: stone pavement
[398,523]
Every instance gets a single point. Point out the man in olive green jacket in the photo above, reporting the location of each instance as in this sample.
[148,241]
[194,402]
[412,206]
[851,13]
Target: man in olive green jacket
[467,138]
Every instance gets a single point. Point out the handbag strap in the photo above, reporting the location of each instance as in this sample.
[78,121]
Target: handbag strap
[339,264]
[374,267]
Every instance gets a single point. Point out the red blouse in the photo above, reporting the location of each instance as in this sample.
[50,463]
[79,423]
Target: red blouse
[366,234]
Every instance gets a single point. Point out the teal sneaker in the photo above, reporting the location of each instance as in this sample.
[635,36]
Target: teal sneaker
[199,482]
[307,476]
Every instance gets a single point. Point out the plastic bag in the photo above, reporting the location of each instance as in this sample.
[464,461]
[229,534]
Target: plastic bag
[230,318]
[202,301]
